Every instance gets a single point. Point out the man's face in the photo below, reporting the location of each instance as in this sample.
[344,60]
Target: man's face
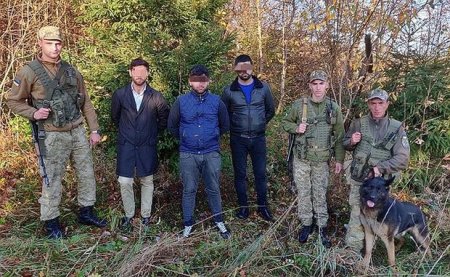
[51,49]
[378,107]
[138,75]
[318,89]
[199,83]
[244,70]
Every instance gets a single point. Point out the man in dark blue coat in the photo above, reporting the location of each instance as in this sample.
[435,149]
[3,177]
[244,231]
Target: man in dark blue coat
[139,112]
[197,119]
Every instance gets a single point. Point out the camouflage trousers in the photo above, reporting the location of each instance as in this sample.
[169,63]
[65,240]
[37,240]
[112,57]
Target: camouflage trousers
[62,146]
[312,180]
[355,231]
[127,194]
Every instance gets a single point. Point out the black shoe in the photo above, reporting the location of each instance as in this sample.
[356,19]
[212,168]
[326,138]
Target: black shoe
[87,217]
[243,213]
[53,229]
[145,221]
[323,236]
[264,213]
[304,233]
[126,224]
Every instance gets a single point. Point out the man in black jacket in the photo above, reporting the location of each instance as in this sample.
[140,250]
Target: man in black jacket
[139,112]
[250,104]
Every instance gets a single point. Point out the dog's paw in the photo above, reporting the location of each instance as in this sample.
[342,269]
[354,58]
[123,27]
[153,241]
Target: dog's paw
[362,267]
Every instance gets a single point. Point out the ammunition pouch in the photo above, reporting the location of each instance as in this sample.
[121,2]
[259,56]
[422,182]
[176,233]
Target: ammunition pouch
[62,94]
[360,167]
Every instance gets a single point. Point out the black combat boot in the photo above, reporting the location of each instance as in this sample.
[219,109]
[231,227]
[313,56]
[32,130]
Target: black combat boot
[87,217]
[146,221]
[323,236]
[53,228]
[304,233]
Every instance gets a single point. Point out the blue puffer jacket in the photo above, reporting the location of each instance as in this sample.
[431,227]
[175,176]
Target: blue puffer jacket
[198,121]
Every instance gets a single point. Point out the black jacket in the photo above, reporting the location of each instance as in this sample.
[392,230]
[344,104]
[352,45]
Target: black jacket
[249,120]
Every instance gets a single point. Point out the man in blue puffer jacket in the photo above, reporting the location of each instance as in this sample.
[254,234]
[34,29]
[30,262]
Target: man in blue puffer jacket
[197,119]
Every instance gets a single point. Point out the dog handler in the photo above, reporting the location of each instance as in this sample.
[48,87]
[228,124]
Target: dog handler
[380,148]
[52,92]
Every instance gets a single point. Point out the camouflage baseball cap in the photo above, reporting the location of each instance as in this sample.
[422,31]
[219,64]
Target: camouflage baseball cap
[378,93]
[50,33]
[318,75]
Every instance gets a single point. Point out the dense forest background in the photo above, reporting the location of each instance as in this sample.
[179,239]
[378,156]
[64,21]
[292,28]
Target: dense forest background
[399,45]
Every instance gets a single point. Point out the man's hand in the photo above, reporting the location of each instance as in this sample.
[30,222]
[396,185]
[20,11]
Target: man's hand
[376,172]
[356,138]
[94,139]
[338,168]
[301,128]
[41,113]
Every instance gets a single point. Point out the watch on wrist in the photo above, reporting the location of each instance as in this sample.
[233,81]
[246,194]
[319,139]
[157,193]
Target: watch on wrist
[96,132]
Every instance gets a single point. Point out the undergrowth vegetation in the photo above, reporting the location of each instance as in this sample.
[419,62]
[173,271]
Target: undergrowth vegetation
[256,248]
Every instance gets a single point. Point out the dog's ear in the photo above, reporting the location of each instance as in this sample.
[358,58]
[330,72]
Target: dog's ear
[389,182]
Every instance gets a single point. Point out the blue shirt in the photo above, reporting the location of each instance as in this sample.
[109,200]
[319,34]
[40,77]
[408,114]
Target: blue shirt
[247,90]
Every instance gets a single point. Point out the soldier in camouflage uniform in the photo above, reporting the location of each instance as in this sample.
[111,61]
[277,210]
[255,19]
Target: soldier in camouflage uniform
[380,148]
[52,93]
[318,126]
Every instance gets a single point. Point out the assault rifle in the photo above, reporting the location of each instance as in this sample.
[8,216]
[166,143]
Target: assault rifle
[36,136]
[291,147]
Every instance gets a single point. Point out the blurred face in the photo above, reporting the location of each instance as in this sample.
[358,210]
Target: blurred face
[318,89]
[244,70]
[138,75]
[199,83]
[51,49]
[378,107]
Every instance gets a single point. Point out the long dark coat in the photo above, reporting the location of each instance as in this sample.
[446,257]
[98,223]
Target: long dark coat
[138,130]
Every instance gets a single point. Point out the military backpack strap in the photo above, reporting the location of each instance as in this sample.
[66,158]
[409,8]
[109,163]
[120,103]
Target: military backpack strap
[392,134]
[42,75]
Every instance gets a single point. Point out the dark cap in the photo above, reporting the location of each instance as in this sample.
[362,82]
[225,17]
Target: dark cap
[49,33]
[318,75]
[378,93]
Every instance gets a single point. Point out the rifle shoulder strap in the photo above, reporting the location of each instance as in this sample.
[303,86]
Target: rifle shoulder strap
[305,110]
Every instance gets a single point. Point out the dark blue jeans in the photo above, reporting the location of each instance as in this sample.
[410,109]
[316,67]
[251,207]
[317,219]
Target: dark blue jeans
[240,148]
[192,167]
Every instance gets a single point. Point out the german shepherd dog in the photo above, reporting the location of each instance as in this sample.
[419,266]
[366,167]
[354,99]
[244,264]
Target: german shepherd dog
[387,218]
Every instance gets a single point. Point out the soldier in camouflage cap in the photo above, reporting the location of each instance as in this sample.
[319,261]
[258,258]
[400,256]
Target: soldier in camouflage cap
[57,111]
[318,75]
[49,33]
[316,121]
[380,148]
[378,93]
